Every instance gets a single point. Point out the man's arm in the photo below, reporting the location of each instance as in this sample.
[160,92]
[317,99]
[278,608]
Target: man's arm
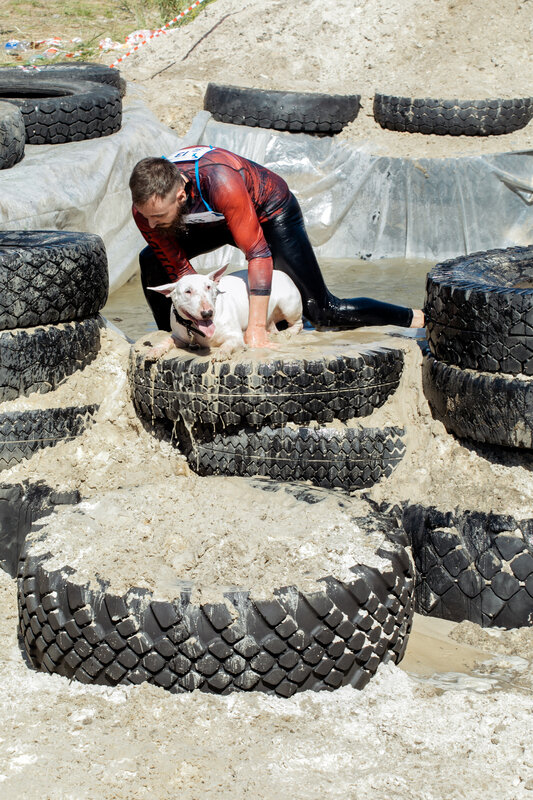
[229,195]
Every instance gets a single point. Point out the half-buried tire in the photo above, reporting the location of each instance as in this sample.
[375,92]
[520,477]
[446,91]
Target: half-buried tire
[479,311]
[492,409]
[77,70]
[334,458]
[305,112]
[492,117]
[74,623]
[224,397]
[23,433]
[59,110]
[20,505]
[472,566]
[50,276]
[39,359]
[12,136]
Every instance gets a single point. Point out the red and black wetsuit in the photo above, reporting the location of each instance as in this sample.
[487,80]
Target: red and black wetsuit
[263,219]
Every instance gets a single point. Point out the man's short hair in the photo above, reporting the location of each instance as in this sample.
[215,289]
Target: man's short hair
[154,176]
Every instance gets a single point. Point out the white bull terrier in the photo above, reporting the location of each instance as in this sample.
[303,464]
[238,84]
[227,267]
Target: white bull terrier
[212,311]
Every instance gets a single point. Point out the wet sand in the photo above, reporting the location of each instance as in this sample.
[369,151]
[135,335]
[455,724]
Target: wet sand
[461,699]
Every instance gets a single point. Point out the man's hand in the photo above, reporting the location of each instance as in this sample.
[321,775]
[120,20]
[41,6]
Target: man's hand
[256,334]
[258,337]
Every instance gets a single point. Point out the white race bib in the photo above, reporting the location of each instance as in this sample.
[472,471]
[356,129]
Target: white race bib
[189,154]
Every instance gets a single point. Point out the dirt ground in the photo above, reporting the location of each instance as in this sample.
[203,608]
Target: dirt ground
[465,49]
[453,721]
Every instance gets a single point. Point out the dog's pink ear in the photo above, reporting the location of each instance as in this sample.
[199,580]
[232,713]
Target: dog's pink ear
[165,289]
[216,276]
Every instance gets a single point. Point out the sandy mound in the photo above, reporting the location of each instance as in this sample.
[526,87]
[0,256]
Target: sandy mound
[216,533]
[435,48]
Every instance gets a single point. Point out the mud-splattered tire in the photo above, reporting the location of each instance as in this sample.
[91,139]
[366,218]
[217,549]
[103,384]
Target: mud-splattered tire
[452,117]
[493,409]
[23,433]
[39,359]
[472,566]
[294,641]
[50,276]
[227,396]
[348,458]
[12,136]
[59,110]
[305,112]
[479,311]
[20,505]
[77,70]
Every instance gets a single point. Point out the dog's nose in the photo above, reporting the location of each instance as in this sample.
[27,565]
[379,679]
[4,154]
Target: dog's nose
[207,313]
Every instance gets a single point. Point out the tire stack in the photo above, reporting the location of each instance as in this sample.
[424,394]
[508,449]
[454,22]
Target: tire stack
[52,286]
[57,103]
[12,136]
[284,418]
[478,372]
[478,378]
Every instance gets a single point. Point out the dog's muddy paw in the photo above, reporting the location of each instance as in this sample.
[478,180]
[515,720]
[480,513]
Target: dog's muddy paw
[155,353]
[225,353]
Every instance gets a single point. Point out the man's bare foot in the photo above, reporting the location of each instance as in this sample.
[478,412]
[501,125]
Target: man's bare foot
[418,320]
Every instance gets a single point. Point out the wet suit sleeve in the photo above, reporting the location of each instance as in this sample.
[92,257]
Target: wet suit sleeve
[167,250]
[228,194]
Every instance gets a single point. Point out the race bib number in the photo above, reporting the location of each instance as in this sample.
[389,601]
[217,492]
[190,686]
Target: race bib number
[189,154]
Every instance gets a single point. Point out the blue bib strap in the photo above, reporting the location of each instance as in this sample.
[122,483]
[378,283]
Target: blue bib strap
[197,173]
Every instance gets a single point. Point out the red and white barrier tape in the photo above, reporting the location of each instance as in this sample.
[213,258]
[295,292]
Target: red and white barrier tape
[158,32]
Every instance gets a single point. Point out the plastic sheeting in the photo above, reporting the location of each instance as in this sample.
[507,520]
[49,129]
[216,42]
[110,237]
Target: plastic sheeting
[83,186]
[363,206]
[356,204]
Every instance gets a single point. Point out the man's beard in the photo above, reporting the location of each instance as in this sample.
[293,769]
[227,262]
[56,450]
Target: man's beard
[177,227]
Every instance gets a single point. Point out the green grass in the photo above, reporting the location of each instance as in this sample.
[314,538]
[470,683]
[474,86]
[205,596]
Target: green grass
[90,20]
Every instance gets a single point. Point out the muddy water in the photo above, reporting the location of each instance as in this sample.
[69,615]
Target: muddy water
[398,282]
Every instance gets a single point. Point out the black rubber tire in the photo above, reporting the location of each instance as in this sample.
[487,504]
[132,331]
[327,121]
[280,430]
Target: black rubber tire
[12,136]
[227,396]
[58,110]
[23,433]
[298,112]
[50,276]
[479,311]
[494,409]
[39,359]
[292,642]
[20,505]
[472,566]
[76,70]
[452,117]
[351,458]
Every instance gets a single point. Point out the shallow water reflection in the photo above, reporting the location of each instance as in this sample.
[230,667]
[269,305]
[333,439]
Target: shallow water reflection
[393,281]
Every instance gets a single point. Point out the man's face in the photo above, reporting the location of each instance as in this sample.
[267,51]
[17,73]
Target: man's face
[165,213]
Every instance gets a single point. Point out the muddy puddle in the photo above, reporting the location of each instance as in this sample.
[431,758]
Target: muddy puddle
[392,281]
[453,721]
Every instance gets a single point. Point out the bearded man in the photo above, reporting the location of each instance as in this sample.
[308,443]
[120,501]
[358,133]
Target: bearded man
[204,197]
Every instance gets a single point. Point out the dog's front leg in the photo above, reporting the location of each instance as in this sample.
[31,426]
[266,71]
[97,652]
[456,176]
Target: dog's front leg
[159,350]
[227,349]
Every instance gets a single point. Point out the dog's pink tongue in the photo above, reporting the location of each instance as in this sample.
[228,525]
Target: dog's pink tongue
[207,327]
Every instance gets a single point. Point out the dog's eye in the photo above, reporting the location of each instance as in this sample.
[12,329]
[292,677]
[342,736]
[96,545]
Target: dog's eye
[188,291]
